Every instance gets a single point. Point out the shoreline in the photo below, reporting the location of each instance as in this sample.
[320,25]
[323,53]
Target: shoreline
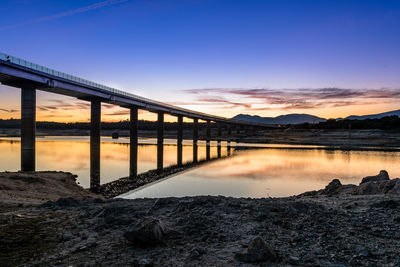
[242,144]
[330,138]
[326,227]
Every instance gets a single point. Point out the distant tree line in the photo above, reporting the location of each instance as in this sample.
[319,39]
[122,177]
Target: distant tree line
[385,123]
[121,125]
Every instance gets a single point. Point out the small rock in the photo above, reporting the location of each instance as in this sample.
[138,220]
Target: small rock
[257,251]
[148,232]
[293,259]
[364,253]
[296,237]
[196,253]
[143,263]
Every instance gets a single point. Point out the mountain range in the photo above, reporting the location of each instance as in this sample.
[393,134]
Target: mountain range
[303,118]
[375,116]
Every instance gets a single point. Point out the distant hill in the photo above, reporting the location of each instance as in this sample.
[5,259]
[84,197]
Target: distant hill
[283,119]
[375,116]
[307,118]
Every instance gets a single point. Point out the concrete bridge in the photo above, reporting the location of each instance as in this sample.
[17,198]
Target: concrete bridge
[30,77]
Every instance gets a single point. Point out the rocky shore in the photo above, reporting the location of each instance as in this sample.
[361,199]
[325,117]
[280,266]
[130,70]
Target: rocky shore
[336,226]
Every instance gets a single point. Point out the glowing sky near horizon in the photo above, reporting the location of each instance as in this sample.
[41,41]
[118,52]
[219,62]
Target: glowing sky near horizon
[326,58]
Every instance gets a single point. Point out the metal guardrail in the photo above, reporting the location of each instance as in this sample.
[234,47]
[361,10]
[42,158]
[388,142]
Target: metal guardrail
[59,74]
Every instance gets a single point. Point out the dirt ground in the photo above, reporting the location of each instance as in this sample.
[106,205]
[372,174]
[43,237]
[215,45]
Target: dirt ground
[32,188]
[323,228]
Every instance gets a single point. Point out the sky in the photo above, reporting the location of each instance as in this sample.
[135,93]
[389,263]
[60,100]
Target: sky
[261,57]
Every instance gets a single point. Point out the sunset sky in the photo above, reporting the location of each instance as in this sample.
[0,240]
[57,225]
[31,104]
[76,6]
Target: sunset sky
[264,57]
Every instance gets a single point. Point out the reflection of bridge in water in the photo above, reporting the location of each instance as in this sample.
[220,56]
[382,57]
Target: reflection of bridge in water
[30,77]
[123,185]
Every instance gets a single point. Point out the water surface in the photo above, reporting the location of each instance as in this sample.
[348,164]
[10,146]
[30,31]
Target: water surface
[279,170]
[72,154]
[274,172]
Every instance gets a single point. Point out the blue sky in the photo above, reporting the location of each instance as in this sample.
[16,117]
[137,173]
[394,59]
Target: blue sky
[165,49]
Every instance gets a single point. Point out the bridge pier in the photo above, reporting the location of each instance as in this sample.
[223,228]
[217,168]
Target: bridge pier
[28,128]
[229,135]
[195,138]
[133,146]
[219,148]
[208,140]
[180,139]
[219,134]
[160,140]
[95,119]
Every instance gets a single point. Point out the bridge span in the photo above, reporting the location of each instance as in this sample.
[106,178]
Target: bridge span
[30,77]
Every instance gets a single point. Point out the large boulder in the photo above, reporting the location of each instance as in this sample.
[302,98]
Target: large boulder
[382,176]
[396,187]
[148,232]
[257,251]
[333,188]
[369,188]
[385,186]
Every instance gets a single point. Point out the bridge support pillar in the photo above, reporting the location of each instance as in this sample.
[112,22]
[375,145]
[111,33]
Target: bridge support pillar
[208,140]
[219,148]
[229,135]
[195,138]
[133,147]
[28,128]
[95,119]
[180,139]
[219,139]
[160,140]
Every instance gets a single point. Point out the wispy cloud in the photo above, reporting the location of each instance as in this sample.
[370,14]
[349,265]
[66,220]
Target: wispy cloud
[57,104]
[286,99]
[222,101]
[8,110]
[67,13]
[108,106]
[210,100]
[118,113]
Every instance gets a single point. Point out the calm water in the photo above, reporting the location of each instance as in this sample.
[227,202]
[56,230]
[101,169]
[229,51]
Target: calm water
[273,171]
[72,154]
